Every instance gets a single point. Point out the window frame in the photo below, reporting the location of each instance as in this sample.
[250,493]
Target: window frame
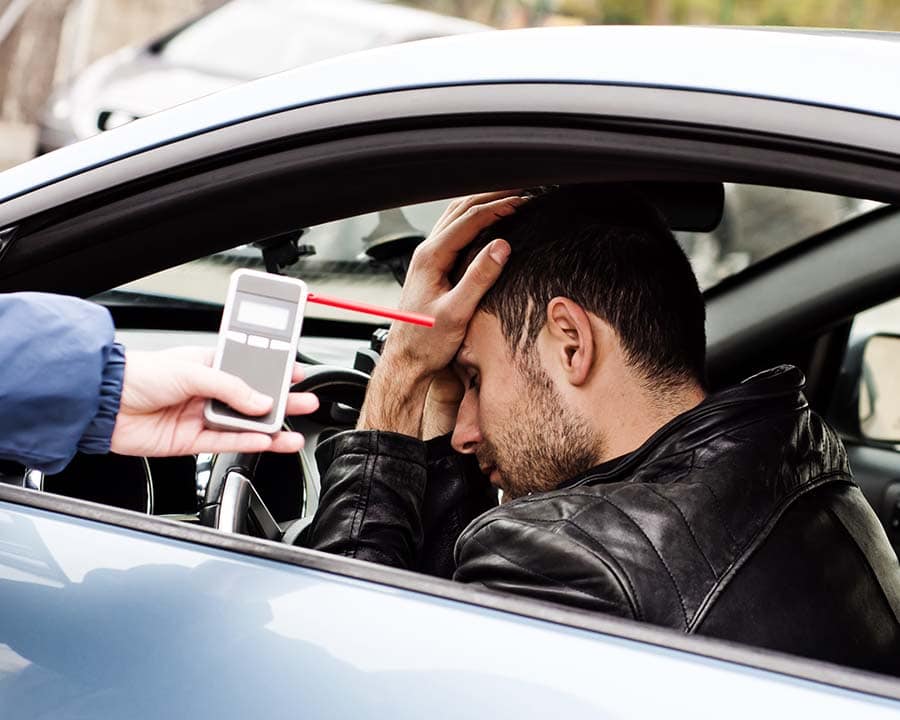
[51,217]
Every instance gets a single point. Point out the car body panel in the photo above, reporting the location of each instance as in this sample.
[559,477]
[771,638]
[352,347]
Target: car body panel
[736,62]
[194,631]
[114,614]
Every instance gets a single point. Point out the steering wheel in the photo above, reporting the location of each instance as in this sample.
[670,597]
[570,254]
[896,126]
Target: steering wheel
[232,504]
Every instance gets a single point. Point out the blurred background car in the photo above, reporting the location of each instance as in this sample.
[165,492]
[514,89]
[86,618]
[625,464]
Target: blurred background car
[237,41]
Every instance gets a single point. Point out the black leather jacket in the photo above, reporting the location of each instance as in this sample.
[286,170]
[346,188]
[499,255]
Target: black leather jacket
[737,519]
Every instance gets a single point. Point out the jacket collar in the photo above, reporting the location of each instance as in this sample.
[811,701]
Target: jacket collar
[776,390]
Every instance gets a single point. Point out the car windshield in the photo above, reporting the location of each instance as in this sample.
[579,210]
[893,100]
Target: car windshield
[251,39]
[757,222]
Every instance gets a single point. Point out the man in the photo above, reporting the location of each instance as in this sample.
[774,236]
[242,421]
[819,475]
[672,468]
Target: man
[579,338]
[67,386]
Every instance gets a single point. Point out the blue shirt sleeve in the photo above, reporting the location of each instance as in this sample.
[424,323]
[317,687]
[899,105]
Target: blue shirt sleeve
[60,379]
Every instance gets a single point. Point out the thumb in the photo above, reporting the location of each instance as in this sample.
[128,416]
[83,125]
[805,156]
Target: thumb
[481,274]
[201,381]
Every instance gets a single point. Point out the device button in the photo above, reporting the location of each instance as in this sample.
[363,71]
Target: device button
[236,336]
[257,341]
[279,345]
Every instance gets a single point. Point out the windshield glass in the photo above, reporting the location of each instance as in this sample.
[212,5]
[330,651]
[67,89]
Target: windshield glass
[758,222]
[252,39]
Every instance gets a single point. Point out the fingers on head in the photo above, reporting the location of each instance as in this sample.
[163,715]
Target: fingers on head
[441,248]
[484,214]
[475,219]
[464,203]
[481,274]
[477,211]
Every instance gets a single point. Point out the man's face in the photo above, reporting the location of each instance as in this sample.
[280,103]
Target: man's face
[513,417]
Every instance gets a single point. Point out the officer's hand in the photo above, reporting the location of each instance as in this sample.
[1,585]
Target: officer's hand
[161,407]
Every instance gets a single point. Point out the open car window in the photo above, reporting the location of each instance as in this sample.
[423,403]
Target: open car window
[757,222]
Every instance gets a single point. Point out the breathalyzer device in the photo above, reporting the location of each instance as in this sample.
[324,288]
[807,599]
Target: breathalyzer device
[258,343]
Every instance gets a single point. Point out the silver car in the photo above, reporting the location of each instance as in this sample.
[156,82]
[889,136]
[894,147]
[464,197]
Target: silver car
[127,595]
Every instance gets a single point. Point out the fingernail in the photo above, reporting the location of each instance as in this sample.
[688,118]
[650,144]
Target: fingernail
[499,251]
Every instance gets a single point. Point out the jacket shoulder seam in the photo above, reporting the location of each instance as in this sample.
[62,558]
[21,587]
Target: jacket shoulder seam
[661,558]
[686,524]
[474,538]
[756,541]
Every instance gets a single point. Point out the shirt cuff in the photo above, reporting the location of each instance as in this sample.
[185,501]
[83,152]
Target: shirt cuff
[98,435]
[379,442]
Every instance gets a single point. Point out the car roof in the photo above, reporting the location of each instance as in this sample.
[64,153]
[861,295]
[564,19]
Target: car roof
[851,71]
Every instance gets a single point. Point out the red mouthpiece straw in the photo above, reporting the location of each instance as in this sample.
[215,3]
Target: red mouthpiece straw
[414,318]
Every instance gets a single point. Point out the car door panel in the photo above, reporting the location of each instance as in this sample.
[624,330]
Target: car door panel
[102,621]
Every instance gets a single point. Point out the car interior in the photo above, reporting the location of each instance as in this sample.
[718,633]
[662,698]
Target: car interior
[734,254]
[797,256]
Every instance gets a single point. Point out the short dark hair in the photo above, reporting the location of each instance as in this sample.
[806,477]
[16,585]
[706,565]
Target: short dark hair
[608,249]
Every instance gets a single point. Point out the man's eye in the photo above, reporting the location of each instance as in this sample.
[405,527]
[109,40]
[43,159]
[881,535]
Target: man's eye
[473,382]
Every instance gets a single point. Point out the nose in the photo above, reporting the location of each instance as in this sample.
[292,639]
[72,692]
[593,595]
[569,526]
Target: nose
[467,433]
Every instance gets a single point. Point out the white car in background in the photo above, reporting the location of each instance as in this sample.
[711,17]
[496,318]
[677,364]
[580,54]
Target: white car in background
[238,41]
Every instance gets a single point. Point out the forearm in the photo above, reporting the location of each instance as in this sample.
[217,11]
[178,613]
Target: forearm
[395,399]
[370,506]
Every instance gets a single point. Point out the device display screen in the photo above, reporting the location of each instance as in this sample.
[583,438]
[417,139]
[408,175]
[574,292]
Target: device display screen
[263,315]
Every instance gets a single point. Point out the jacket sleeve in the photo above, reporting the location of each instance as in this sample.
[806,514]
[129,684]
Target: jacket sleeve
[60,379]
[456,493]
[395,500]
[371,499]
[526,557]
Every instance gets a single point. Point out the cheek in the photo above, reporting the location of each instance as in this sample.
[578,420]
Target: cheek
[497,409]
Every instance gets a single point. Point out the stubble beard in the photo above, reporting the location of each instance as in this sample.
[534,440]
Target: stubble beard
[541,443]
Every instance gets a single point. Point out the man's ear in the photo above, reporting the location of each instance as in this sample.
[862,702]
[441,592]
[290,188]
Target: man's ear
[571,338]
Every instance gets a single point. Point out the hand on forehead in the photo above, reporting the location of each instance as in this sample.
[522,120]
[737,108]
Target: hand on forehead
[429,289]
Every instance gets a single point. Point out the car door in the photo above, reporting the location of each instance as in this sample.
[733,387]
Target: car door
[177,615]
[102,620]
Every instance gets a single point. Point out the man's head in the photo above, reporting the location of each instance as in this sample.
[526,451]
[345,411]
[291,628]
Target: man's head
[597,299]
